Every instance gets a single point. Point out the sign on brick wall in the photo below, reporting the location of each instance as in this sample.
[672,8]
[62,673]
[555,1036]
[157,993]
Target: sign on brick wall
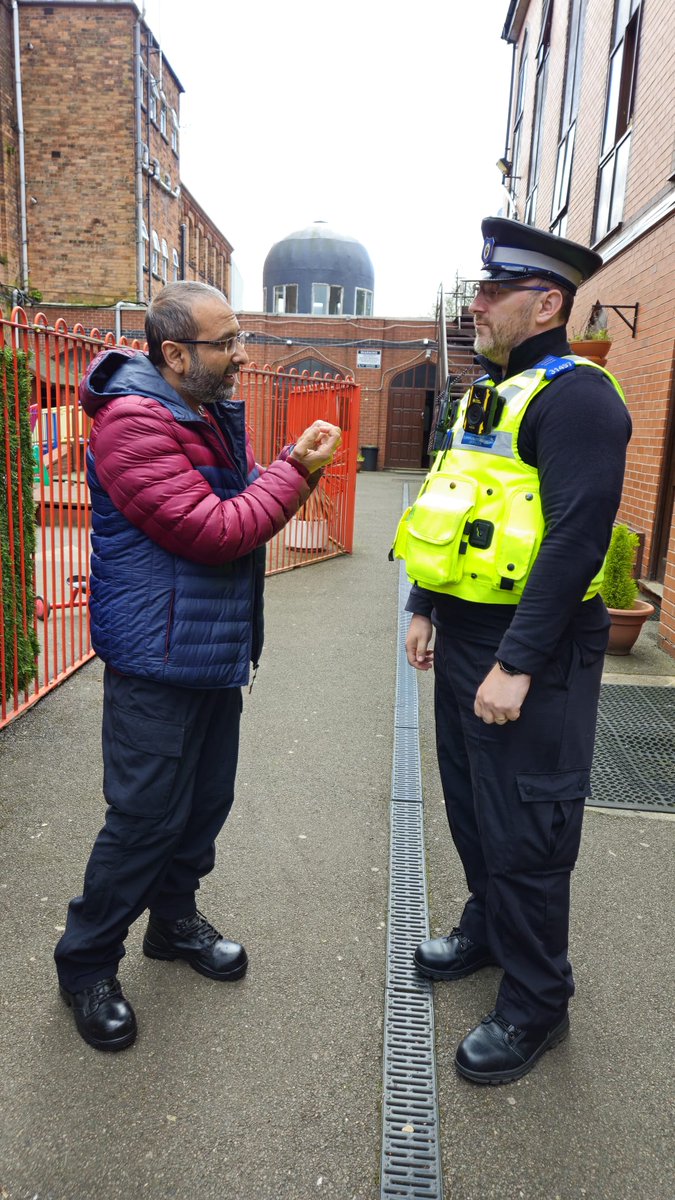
[369,358]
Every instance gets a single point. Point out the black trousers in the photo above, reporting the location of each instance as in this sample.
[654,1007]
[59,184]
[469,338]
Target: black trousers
[514,796]
[169,764]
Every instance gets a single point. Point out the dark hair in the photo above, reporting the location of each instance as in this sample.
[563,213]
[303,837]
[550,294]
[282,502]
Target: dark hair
[170,316]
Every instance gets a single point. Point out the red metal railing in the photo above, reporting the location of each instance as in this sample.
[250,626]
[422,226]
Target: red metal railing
[279,407]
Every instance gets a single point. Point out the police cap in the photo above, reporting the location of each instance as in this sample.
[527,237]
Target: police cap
[513,251]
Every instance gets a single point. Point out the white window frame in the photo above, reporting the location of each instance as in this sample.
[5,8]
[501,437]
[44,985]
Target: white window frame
[165,261]
[325,305]
[174,131]
[568,117]
[618,122]
[281,298]
[145,239]
[541,80]
[156,251]
[154,100]
[519,111]
[367,306]
[176,265]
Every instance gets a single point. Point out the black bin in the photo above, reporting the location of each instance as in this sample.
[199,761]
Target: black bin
[369,458]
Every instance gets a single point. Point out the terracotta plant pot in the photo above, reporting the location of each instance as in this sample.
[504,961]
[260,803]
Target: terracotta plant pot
[626,626]
[596,349]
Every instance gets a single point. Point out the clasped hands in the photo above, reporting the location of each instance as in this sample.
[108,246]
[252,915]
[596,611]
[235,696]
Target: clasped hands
[316,446]
[500,696]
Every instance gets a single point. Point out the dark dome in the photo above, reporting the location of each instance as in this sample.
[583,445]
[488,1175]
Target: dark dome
[318,256]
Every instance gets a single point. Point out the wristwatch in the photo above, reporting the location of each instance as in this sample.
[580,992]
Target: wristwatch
[508,669]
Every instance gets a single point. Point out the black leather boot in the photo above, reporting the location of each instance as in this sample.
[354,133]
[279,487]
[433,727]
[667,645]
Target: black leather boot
[103,1015]
[497,1052]
[196,941]
[452,957]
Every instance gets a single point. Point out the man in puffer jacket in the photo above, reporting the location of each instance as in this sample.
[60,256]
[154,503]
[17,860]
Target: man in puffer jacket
[181,515]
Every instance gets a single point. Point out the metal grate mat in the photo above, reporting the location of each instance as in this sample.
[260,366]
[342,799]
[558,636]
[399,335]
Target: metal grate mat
[634,761]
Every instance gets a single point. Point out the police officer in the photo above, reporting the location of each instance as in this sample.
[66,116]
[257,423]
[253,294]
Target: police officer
[505,546]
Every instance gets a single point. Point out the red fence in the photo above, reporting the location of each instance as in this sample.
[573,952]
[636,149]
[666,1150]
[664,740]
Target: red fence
[44,501]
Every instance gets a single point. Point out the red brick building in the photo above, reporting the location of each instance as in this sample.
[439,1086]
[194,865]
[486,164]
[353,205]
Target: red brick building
[590,156]
[394,360]
[95,179]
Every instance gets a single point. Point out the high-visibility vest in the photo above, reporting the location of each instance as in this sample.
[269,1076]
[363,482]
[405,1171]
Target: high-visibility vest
[477,525]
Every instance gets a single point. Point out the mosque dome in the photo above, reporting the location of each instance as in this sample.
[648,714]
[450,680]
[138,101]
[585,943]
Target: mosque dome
[319,272]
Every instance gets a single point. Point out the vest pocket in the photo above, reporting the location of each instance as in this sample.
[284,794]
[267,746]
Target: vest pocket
[429,535]
[518,539]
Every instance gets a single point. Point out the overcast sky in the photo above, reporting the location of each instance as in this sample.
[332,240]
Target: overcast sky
[384,120]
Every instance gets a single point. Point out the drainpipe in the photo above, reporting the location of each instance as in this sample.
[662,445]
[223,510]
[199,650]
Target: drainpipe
[22,160]
[138,170]
[118,315]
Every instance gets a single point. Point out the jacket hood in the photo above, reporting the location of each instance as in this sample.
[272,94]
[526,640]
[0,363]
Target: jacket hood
[123,372]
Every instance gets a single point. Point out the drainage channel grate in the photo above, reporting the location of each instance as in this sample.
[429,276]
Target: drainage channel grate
[411,1165]
[634,762]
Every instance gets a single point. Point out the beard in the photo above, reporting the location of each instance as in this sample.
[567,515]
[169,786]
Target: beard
[204,386]
[498,340]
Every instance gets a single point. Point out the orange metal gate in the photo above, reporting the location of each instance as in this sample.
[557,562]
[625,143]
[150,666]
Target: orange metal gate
[44,501]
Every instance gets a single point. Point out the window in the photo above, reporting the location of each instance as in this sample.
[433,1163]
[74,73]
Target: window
[568,117]
[154,99]
[144,85]
[286,298]
[326,300]
[520,107]
[174,131]
[176,266]
[364,303]
[162,119]
[145,239]
[613,169]
[155,253]
[165,261]
[538,121]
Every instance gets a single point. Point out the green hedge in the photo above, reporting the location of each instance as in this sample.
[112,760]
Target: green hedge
[16,592]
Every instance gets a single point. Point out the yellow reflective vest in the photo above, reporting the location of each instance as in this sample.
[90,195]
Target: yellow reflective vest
[476,527]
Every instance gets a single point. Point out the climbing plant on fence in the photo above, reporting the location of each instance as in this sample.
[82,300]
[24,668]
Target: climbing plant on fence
[17,521]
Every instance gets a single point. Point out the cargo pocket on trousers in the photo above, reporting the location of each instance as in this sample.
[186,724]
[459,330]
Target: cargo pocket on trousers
[141,769]
[550,819]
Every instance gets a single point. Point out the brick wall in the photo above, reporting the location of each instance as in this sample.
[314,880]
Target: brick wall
[401,343]
[641,272]
[208,255]
[10,269]
[79,150]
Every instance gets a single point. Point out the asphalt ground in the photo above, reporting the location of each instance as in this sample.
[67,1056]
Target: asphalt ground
[270,1088]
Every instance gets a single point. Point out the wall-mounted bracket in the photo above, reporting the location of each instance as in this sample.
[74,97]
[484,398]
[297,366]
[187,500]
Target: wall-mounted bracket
[619,309]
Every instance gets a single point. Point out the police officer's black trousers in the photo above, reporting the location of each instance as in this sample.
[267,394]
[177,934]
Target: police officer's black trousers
[514,796]
[169,765]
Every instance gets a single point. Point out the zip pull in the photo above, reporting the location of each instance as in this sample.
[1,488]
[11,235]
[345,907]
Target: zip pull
[255,672]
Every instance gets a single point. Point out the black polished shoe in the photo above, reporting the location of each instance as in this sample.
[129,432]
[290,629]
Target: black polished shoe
[497,1052]
[195,940]
[103,1015]
[452,957]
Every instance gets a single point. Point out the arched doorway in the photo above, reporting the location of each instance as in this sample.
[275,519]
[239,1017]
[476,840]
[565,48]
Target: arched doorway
[411,405]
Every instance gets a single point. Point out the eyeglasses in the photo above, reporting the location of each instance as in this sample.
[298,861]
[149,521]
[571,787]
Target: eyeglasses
[229,345]
[494,291]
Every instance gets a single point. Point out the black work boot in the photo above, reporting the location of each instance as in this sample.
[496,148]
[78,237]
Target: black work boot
[103,1015]
[498,1052]
[452,957]
[195,940]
